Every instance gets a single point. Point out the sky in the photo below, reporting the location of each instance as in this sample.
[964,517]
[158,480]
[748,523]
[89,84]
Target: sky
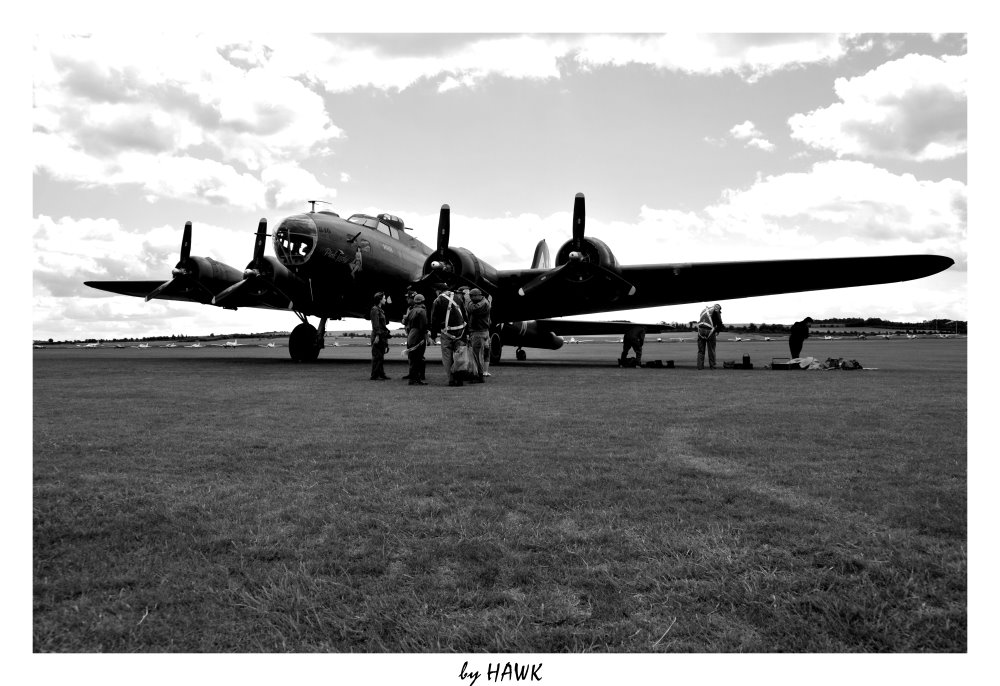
[689,147]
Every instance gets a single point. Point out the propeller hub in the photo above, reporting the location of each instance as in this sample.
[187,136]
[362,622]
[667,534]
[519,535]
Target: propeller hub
[575,256]
[179,271]
[247,273]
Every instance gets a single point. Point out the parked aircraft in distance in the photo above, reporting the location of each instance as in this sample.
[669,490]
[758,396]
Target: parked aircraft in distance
[266,345]
[329,267]
[89,345]
[141,345]
[227,344]
[194,345]
[170,345]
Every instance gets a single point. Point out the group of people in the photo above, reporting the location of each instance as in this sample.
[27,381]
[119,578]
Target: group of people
[460,318]
[709,326]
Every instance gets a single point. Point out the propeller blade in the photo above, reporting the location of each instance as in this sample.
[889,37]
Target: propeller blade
[261,240]
[229,291]
[536,283]
[579,219]
[159,289]
[616,281]
[444,228]
[186,242]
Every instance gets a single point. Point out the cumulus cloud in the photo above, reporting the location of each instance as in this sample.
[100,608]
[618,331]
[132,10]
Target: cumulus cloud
[750,56]
[67,251]
[837,208]
[747,133]
[197,117]
[183,118]
[914,109]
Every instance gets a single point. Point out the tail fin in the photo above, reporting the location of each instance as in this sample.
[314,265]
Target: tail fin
[541,258]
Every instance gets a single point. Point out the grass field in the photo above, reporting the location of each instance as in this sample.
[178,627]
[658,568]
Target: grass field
[232,501]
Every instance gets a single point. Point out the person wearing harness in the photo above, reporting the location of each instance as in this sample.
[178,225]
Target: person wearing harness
[709,325]
[380,337]
[415,322]
[448,320]
[479,330]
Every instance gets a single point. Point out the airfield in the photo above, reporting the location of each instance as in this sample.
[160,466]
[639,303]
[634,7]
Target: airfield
[230,500]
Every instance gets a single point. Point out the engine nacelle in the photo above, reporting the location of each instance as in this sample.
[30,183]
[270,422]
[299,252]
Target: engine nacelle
[589,251]
[275,279]
[463,264]
[529,335]
[212,274]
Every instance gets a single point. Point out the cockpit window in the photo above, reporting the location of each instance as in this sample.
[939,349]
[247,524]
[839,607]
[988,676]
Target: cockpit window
[384,223]
[295,240]
[363,220]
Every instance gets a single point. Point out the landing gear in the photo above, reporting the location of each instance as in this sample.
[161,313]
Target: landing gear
[496,348]
[302,343]
[306,341]
[521,355]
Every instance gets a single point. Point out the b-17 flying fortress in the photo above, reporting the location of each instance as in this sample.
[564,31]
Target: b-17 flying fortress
[329,267]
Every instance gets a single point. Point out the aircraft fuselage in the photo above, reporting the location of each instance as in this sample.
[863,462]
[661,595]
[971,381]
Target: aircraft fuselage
[342,263]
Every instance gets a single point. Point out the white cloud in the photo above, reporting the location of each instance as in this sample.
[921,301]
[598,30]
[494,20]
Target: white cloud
[171,114]
[748,55]
[837,208]
[914,108]
[748,133]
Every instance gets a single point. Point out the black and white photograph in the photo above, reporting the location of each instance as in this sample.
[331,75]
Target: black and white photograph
[477,355]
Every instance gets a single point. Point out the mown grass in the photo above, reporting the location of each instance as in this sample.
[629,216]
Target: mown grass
[233,501]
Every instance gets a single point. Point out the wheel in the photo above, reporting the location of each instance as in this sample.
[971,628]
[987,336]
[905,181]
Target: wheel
[302,343]
[496,348]
[521,355]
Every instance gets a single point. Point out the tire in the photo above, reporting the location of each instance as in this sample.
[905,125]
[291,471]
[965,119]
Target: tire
[302,343]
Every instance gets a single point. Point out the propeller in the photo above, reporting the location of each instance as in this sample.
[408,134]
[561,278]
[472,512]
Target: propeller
[438,261]
[439,265]
[578,265]
[257,272]
[184,273]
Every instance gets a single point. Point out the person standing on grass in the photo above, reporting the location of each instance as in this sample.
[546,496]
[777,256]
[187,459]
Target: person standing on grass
[410,293]
[447,319]
[709,325]
[380,337]
[415,323]
[799,333]
[633,339]
[479,330]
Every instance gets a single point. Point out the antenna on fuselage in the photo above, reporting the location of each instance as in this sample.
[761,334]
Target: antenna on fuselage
[312,209]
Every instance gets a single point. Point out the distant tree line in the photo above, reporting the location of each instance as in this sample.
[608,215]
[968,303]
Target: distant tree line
[846,325]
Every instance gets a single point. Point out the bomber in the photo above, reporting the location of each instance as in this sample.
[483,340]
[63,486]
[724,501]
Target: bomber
[328,267]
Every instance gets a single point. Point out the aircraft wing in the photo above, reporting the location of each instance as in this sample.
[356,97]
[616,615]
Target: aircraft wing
[683,283]
[579,327]
[140,289]
[166,290]
[677,284]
